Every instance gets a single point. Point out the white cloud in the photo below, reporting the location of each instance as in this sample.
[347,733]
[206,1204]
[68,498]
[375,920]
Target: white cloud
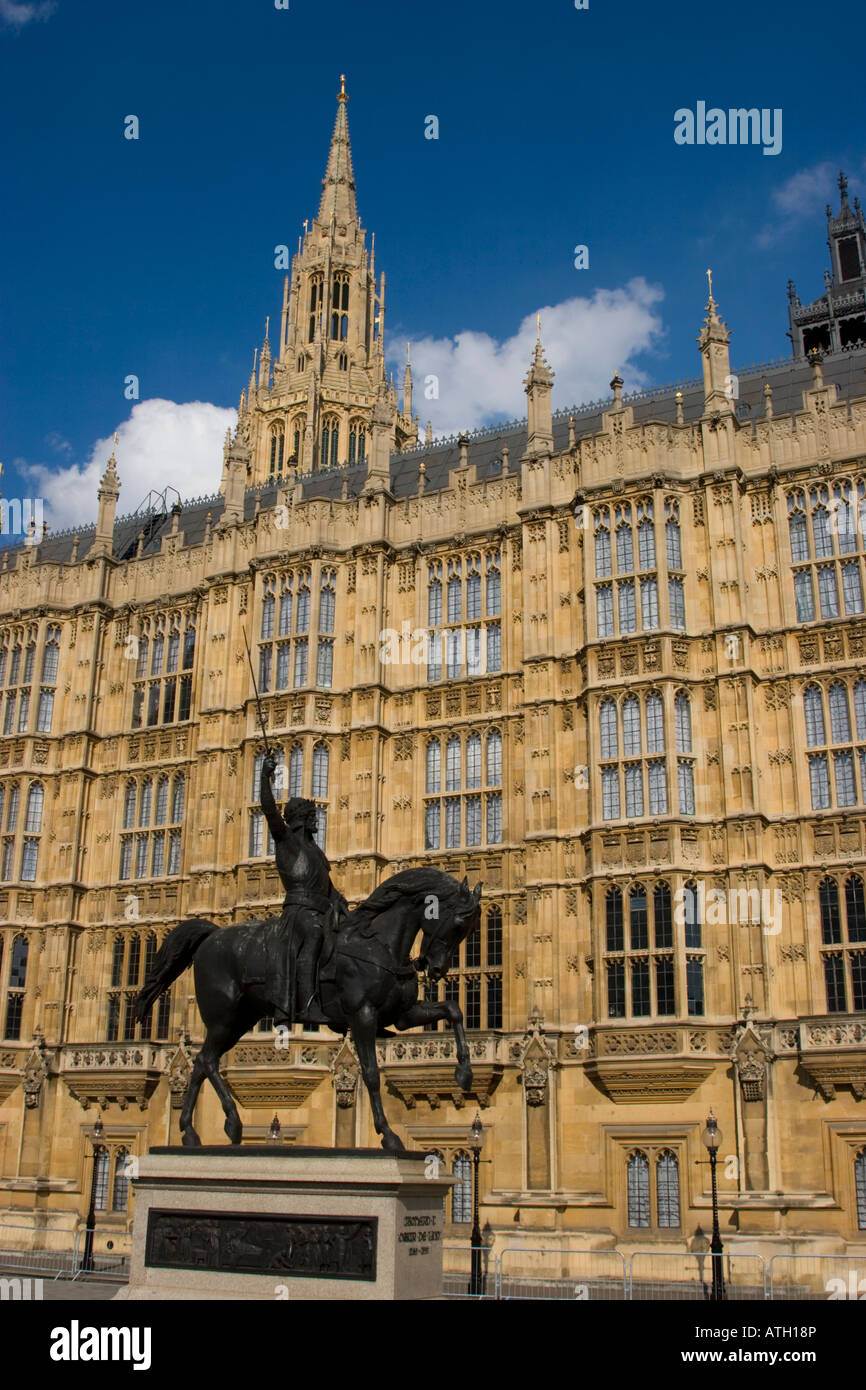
[161,443]
[16,15]
[480,380]
[799,198]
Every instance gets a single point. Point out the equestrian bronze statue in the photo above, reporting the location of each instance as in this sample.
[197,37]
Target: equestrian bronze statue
[319,962]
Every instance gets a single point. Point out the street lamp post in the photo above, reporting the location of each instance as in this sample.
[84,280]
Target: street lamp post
[712,1138]
[476,1282]
[98,1149]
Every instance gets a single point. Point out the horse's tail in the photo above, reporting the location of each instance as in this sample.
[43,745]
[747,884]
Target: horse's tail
[172,958]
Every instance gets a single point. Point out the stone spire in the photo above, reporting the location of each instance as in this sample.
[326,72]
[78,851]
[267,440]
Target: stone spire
[407,385]
[338,186]
[538,385]
[714,343]
[109,491]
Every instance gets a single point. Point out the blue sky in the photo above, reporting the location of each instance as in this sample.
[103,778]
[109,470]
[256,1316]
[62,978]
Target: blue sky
[155,256]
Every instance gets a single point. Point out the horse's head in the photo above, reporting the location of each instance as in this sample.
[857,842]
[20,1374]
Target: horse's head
[454,919]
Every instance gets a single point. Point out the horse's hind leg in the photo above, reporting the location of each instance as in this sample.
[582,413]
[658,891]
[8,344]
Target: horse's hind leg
[189,1137]
[220,1040]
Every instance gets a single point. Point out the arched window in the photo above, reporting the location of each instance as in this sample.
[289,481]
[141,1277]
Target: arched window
[188,653]
[129,806]
[692,916]
[855,909]
[296,770]
[662,919]
[35,800]
[638,1189]
[673,545]
[343,362]
[357,441]
[609,739]
[822,530]
[461,1193]
[473,761]
[646,545]
[434,766]
[177,799]
[50,658]
[455,597]
[797,527]
[340,306]
[120,1194]
[494,587]
[813,707]
[330,442]
[434,598]
[321,759]
[860,708]
[297,428]
[327,602]
[615,938]
[860,1188]
[840,723]
[267,610]
[638,918]
[117,962]
[655,724]
[683,723]
[494,759]
[286,599]
[473,590]
[100,1188]
[602,545]
[16,987]
[668,1189]
[624,541]
[278,442]
[452,765]
[161,801]
[631,727]
[317,293]
[12,807]
[145,803]
[302,621]
[831,920]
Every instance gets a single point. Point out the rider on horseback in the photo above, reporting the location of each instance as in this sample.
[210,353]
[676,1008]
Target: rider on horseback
[312,904]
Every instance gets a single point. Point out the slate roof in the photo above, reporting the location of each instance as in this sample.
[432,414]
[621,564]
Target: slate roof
[788,378]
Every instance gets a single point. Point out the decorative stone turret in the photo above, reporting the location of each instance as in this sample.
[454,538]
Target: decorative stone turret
[109,491]
[714,343]
[538,385]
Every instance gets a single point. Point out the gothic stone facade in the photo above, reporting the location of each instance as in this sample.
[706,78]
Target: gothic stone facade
[640,721]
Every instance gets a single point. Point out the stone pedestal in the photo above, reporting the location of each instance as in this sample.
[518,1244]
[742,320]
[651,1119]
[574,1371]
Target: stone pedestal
[262,1222]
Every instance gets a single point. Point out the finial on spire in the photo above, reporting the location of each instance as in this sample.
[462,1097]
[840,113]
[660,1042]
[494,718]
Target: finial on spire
[843,186]
[710,283]
[538,328]
[267,326]
[342,96]
[408,354]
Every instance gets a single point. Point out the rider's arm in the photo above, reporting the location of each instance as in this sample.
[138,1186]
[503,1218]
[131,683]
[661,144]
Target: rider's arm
[276,824]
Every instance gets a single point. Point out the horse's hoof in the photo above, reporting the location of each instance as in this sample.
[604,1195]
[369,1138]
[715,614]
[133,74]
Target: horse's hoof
[234,1131]
[463,1077]
[190,1139]
[392,1143]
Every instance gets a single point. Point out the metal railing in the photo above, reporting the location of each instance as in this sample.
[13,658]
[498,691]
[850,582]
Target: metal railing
[565,1273]
[686,1275]
[830,1277]
[29,1249]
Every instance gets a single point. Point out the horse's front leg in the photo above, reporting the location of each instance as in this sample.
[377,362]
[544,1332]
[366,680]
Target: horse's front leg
[430,1011]
[363,1026]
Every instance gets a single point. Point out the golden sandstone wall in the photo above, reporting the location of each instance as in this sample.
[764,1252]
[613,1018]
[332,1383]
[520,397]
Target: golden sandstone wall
[583,1100]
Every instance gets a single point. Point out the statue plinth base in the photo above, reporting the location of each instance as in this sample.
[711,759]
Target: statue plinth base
[278,1222]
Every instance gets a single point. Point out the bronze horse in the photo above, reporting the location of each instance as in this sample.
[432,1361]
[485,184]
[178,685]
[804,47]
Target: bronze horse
[367,980]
